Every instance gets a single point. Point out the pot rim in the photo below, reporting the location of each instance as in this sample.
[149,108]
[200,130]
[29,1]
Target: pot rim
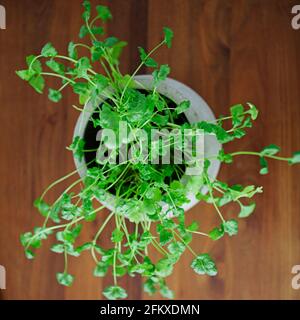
[178,92]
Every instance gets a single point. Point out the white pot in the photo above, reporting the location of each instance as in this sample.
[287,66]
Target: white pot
[177,92]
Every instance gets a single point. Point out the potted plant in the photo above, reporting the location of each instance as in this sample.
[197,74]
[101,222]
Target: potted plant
[146,147]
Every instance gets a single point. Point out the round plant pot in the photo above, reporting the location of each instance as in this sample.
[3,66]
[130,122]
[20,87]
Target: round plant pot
[177,92]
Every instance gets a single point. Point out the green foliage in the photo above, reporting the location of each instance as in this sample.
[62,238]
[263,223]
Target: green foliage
[246,210]
[161,74]
[54,95]
[217,233]
[203,264]
[168,36]
[230,227]
[263,165]
[101,269]
[77,147]
[182,107]
[295,158]
[65,279]
[149,198]
[115,293]
[270,150]
[149,62]
[48,51]
[104,13]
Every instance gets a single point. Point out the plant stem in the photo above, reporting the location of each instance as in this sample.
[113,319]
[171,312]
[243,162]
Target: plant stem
[103,226]
[57,76]
[188,246]
[212,197]
[140,66]
[198,232]
[259,155]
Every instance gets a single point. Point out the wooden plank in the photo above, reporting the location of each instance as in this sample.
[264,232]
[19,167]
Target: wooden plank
[228,51]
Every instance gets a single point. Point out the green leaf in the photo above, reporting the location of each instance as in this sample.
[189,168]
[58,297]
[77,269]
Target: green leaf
[161,74]
[149,62]
[264,165]
[230,227]
[70,235]
[29,254]
[41,233]
[237,113]
[42,206]
[160,120]
[58,248]
[97,30]
[117,236]
[149,287]
[176,248]
[82,66]
[237,110]
[54,95]
[217,233]
[83,31]
[252,111]
[101,82]
[203,264]
[34,64]
[109,119]
[72,51]
[81,88]
[97,53]
[115,293]
[101,269]
[104,13]
[183,106]
[226,158]
[25,238]
[246,210]
[295,158]
[49,51]
[140,107]
[77,147]
[65,279]
[55,66]
[111,41]
[164,236]
[84,247]
[164,268]
[168,36]
[116,51]
[194,226]
[270,150]
[221,134]
[25,74]
[38,83]
[153,194]
[87,10]
[166,292]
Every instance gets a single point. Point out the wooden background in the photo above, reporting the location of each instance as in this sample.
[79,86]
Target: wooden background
[229,51]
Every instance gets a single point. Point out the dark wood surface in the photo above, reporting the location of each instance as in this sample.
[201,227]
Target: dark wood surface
[229,52]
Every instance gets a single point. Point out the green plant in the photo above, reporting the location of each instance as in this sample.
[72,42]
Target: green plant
[140,188]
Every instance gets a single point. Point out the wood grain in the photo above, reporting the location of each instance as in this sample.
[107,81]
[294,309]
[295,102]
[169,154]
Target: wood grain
[229,51]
